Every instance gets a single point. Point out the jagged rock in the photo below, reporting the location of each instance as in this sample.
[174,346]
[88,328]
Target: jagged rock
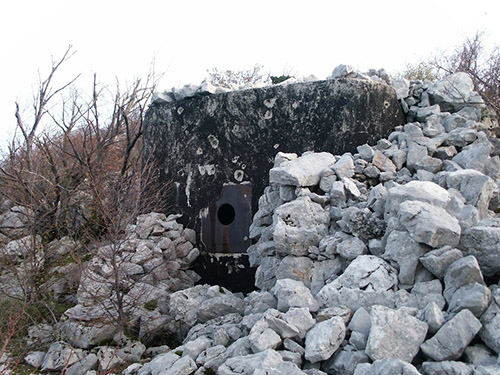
[296,268]
[34,359]
[108,358]
[423,191]
[60,355]
[81,367]
[183,366]
[490,334]
[303,171]
[453,337]
[437,261]
[298,225]
[367,281]
[159,364]
[446,367]
[433,316]
[221,302]
[476,188]
[345,361]
[474,297]
[385,367]
[394,334]
[292,293]
[265,276]
[403,250]
[259,302]
[479,355]
[263,339]
[131,351]
[194,348]
[454,92]
[483,242]
[324,339]
[351,247]
[428,224]
[250,364]
[344,167]
[300,318]
[460,273]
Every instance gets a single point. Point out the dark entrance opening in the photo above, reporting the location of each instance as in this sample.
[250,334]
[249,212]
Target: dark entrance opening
[226,214]
[224,236]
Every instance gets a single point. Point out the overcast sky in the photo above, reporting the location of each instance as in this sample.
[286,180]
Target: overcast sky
[120,39]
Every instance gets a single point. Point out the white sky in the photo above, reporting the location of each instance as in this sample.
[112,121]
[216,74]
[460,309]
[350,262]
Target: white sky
[119,39]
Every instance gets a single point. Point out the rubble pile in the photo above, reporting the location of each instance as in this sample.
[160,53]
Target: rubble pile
[385,261]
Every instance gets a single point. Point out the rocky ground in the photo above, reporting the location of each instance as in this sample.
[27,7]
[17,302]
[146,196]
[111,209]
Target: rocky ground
[382,262]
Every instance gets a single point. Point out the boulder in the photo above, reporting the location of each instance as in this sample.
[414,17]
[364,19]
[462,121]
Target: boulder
[367,281]
[250,364]
[454,92]
[490,334]
[298,225]
[483,242]
[423,191]
[453,337]
[344,361]
[293,293]
[476,188]
[394,334]
[59,356]
[405,252]
[437,261]
[447,367]
[324,339]
[460,273]
[303,171]
[385,367]
[429,224]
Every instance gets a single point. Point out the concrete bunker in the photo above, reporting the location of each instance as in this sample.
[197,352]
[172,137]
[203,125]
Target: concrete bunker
[217,150]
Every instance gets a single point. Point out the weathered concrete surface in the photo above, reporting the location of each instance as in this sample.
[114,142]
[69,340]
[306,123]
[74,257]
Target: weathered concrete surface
[203,142]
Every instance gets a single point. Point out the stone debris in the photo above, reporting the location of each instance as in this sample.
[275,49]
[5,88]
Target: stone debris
[384,261]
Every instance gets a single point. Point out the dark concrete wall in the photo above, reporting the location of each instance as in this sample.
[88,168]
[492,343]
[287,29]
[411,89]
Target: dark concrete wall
[204,142]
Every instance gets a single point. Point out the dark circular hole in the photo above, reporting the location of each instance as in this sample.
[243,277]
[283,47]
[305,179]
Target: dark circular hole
[226,214]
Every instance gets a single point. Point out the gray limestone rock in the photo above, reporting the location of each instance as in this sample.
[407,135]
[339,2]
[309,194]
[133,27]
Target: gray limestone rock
[415,154]
[479,355]
[367,281]
[351,247]
[475,155]
[344,167]
[295,268]
[490,334]
[476,188]
[265,276]
[437,261]
[405,252]
[433,316]
[360,321]
[460,273]
[425,112]
[194,348]
[365,152]
[454,92]
[423,191]
[159,363]
[293,293]
[474,297]
[447,367]
[383,163]
[385,367]
[300,318]
[81,367]
[344,361]
[59,356]
[394,334]
[324,339]
[298,225]
[452,338]
[250,364]
[183,366]
[460,137]
[483,242]
[108,359]
[303,171]
[428,224]
[402,87]
[261,340]
[34,359]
